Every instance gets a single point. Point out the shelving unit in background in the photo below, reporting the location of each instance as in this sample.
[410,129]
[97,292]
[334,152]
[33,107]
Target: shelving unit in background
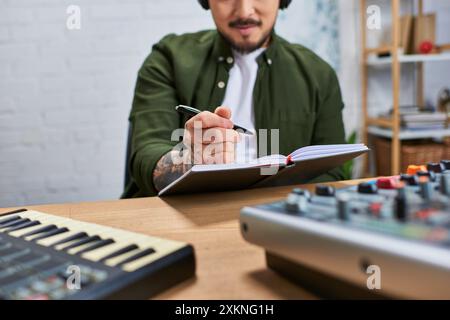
[391,128]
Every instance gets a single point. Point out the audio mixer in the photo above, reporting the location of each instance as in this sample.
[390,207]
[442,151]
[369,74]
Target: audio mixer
[331,241]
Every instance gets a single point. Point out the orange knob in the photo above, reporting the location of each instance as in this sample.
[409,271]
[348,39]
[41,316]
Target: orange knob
[412,169]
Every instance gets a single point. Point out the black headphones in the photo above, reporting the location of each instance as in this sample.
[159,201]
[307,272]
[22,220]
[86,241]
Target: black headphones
[283,4]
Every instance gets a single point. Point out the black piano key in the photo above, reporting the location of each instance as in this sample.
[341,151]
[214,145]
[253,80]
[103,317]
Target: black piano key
[23,226]
[97,245]
[12,212]
[14,223]
[82,241]
[76,236]
[119,252]
[40,230]
[51,233]
[138,255]
[9,219]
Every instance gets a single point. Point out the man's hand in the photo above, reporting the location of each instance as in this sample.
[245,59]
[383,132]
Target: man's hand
[210,137]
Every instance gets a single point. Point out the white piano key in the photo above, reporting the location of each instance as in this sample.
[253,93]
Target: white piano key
[42,218]
[99,231]
[98,254]
[162,250]
[116,260]
[47,219]
[19,233]
[108,232]
[47,242]
[159,245]
[28,214]
[72,228]
[82,247]
[9,219]
[66,222]
[122,242]
[3,228]
[81,226]
[42,225]
[63,246]
[32,237]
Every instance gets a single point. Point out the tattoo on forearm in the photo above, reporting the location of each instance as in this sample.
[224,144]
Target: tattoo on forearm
[166,171]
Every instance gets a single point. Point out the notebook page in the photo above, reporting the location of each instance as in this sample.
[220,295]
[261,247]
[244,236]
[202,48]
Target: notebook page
[318,156]
[329,146]
[260,162]
[316,151]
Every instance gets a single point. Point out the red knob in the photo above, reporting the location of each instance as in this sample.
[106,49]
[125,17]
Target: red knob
[387,183]
[426,47]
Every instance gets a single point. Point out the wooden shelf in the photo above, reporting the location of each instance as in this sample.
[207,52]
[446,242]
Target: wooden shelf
[379,50]
[410,134]
[382,122]
[410,58]
[391,128]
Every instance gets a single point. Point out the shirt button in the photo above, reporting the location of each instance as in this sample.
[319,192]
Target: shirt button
[230,60]
[220,59]
[221,84]
[269,61]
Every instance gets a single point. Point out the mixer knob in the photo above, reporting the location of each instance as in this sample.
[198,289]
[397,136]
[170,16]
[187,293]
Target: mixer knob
[435,167]
[446,164]
[409,179]
[426,189]
[367,188]
[386,183]
[445,183]
[298,191]
[291,203]
[429,174]
[343,206]
[401,209]
[324,191]
[303,204]
[412,169]
[302,192]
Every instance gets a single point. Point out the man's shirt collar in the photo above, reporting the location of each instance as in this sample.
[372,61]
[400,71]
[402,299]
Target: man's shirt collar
[222,52]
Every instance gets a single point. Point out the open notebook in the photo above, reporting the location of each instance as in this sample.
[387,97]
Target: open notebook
[300,166]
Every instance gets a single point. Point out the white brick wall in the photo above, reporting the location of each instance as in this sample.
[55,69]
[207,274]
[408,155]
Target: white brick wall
[65,95]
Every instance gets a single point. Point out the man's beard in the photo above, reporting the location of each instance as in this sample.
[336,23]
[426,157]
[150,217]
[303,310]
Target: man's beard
[246,48]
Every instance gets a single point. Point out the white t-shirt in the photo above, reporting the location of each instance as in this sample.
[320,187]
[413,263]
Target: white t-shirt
[239,98]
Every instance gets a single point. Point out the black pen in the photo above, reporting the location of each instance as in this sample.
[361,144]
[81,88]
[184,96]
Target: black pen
[189,111]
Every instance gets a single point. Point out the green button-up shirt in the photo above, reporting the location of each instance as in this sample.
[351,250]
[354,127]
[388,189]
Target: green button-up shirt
[295,91]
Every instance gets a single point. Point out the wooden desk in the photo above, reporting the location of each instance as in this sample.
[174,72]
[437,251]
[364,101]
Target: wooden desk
[227,266]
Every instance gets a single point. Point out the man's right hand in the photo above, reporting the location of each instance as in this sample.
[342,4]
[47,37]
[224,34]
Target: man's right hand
[211,138]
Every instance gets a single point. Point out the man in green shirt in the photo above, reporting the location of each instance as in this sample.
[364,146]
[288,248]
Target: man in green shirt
[267,82]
